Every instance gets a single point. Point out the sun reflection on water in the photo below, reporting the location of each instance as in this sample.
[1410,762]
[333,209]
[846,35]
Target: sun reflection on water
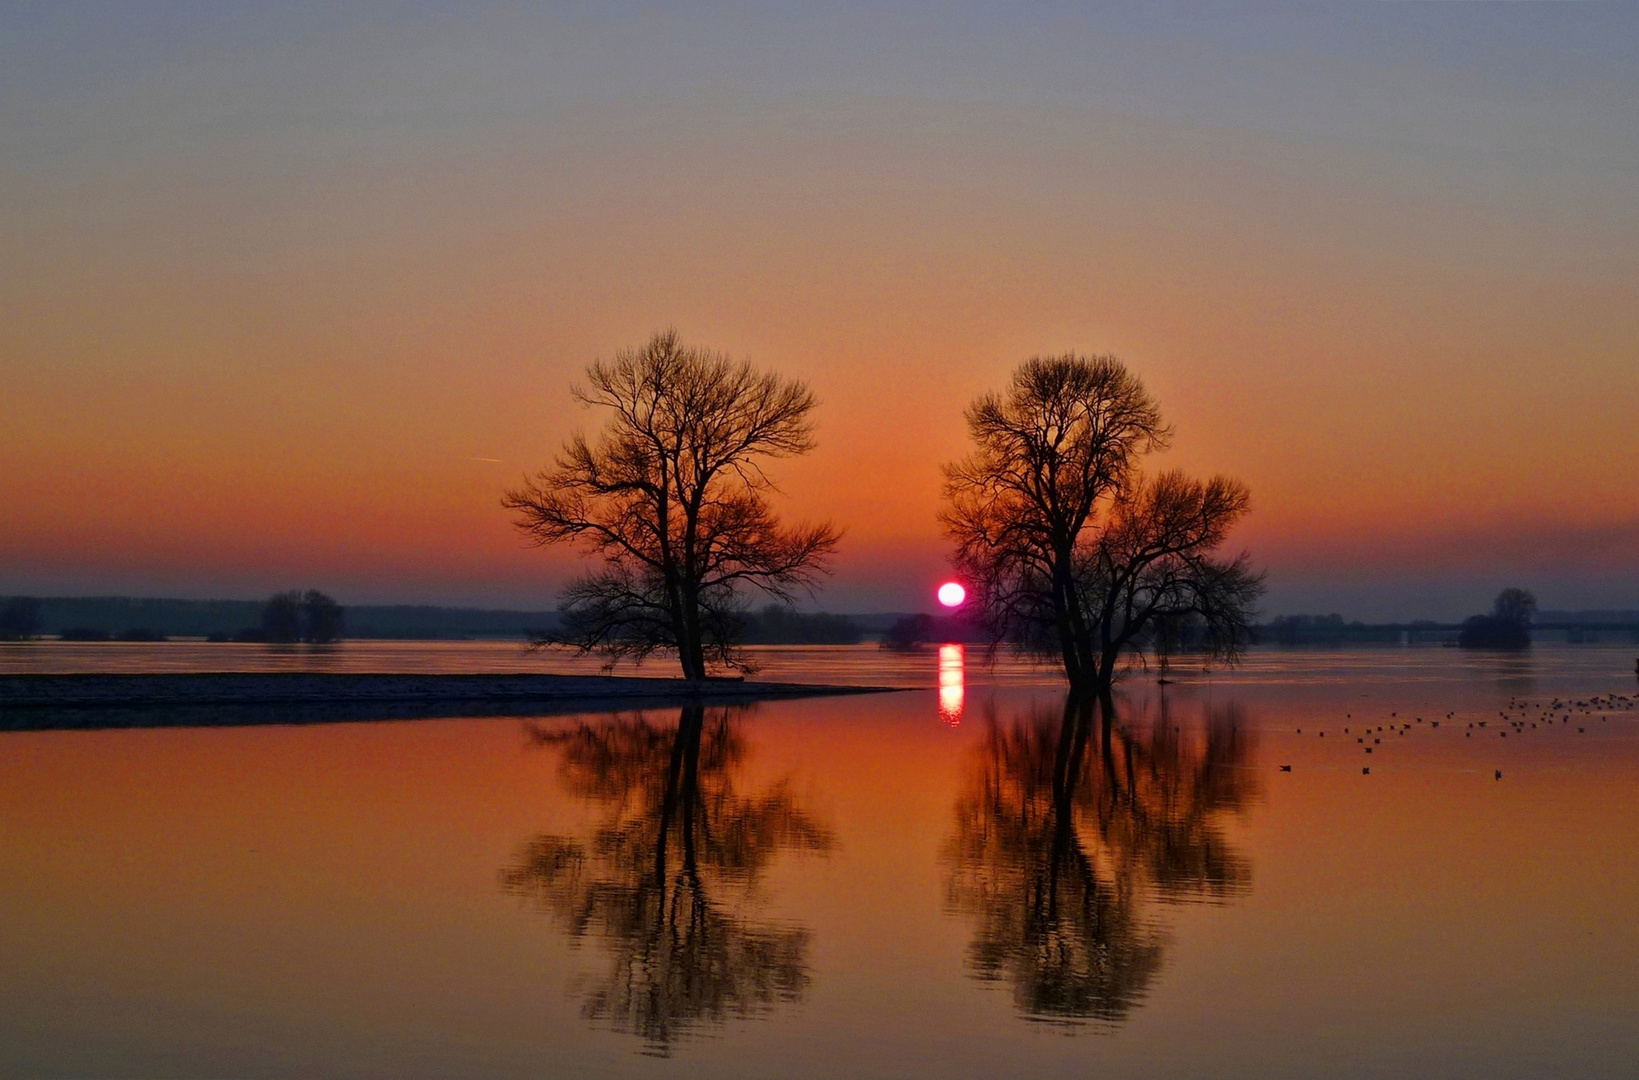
[951,689]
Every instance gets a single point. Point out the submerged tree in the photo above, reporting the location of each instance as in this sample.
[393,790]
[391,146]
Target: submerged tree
[1062,834]
[1069,548]
[669,878]
[673,499]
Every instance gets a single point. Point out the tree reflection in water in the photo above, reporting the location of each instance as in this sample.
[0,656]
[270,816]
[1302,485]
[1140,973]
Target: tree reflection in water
[669,878]
[1067,824]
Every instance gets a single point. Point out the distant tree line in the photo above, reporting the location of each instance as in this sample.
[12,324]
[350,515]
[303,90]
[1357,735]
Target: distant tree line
[777,625]
[1507,626]
[19,618]
[109,618]
[293,616]
[914,631]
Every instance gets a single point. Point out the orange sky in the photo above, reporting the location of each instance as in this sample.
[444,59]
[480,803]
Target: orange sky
[271,301]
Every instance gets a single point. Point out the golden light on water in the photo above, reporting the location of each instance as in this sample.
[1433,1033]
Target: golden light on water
[951,687]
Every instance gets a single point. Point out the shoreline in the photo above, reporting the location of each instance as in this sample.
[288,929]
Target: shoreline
[35,702]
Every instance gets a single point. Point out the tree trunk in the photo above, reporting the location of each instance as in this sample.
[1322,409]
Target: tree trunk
[686,629]
[1066,618]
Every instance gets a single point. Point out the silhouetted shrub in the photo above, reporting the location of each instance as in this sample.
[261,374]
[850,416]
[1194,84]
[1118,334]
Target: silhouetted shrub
[85,633]
[141,633]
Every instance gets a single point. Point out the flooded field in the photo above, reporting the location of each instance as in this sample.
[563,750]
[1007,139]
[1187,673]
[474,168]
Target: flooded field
[1367,862]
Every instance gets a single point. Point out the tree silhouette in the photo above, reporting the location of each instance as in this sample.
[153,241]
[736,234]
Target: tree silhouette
[673,499]
[1507,627]
[669,875]
[1061,838]
[1068,547]
[297,616]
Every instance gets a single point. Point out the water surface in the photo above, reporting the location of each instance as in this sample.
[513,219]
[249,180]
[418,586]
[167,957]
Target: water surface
[947,881]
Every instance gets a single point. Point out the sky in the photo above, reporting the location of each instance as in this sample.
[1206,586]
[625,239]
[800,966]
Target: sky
[290,293]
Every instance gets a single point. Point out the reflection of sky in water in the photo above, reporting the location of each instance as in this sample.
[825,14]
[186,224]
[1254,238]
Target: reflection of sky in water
[950,684]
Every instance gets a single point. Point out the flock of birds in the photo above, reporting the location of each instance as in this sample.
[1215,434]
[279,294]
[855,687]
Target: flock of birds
[1518,718]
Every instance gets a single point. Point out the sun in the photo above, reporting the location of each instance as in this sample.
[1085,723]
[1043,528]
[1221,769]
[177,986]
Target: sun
[951,594]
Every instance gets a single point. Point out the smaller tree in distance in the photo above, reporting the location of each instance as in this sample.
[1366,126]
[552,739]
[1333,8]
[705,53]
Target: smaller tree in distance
[294,616]
[672,499]
[1507,627]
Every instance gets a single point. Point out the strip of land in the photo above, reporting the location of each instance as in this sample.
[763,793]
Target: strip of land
[209,699]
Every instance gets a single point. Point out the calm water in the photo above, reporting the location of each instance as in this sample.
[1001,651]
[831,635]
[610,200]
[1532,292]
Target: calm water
[948,881]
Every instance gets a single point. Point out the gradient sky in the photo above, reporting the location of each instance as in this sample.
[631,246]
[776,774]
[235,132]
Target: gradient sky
[289,294]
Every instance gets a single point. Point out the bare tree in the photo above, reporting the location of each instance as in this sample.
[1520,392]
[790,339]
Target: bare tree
[673,498]
[1070,549]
